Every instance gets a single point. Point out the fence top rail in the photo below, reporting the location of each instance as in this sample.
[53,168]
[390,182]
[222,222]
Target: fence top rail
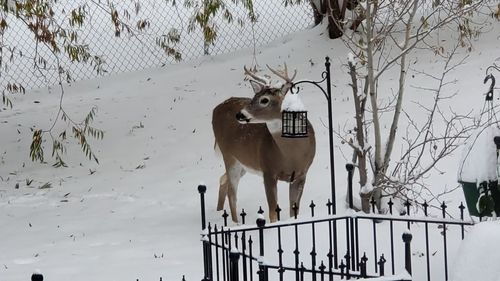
[424,219]
[332,218]
[284,223]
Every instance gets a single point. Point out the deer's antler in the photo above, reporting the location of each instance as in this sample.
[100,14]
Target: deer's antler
[260,79]
[284,74]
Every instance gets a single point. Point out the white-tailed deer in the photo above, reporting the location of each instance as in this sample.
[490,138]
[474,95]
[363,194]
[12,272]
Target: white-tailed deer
[248,133]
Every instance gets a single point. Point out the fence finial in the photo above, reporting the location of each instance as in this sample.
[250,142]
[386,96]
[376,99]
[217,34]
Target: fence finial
[295,209]
[278,212]
[243,215]
[224,216]
[312,206]
[381,265]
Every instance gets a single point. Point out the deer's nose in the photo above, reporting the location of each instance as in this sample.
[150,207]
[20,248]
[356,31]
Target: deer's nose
[241,117]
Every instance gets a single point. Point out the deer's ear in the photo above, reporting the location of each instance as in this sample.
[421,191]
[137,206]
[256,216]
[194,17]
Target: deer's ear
[256,86]
[285,88]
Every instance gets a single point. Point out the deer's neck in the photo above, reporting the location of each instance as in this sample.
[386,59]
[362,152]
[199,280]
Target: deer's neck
[274,127]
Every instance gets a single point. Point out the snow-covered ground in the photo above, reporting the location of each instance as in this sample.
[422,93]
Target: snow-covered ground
[136,214]
[478,254]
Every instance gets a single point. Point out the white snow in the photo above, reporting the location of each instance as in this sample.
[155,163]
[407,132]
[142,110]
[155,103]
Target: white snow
[351,58]
[479,156]
[402,276]
[292,102]
[367,188]
[118,221]
[262,260]
[479,254]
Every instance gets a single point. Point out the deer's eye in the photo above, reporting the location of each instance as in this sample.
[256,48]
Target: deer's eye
[264,101]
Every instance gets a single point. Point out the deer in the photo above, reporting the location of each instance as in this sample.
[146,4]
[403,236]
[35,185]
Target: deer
[248,134]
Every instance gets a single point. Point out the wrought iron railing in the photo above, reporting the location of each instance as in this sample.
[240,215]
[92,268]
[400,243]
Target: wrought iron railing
[332,247]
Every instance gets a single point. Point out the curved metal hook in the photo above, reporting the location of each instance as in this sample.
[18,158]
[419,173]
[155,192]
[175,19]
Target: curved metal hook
[315,83]
[489,94]
[494,66]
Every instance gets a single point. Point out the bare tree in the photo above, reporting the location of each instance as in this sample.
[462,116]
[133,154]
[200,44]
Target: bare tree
[393,29]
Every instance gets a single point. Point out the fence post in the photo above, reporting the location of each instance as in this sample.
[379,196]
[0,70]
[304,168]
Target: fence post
[263,273]
[37,277]
[234,256]
[407,240]
[206,245]
[350,172]
[202,189]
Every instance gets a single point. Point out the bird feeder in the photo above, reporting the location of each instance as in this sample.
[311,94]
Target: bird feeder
[479,168]
[294,117]
[294,124]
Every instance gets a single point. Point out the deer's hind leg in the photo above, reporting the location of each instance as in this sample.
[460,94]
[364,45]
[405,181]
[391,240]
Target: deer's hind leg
[229,185]
[223,187]
[222,192]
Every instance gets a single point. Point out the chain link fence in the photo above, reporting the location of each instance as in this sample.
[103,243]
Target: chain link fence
[138,49]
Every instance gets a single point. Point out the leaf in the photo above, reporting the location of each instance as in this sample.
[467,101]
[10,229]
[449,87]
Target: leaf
[46,185]
[36,149]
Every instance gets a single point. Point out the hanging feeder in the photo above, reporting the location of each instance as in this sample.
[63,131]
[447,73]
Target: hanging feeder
[294,117]
[479,168]
[294,124]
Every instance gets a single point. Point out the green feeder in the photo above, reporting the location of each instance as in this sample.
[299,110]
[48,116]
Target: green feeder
[482,201]
[483,197]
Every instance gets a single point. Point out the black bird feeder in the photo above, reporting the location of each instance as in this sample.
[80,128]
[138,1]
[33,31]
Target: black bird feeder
[294,124]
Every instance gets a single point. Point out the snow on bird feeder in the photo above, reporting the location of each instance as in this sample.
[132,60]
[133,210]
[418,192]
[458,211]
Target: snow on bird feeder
[479,168]
[294,117]
[478,172]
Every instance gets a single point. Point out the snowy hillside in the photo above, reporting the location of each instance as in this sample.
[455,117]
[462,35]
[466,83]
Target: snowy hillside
[136,215]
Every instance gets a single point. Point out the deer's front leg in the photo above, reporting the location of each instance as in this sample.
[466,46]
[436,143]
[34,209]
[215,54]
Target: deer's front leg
[296,189]
[270,183]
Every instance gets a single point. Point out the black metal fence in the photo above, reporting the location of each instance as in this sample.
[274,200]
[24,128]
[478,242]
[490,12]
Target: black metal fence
[139,49]
[332,247]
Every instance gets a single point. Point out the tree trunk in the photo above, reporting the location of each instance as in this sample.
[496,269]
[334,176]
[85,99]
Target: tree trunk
[360,149]
[335,28]
[365,201]
[317,11]
[334,13]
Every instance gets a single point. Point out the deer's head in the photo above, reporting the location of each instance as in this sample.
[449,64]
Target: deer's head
[265,106]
